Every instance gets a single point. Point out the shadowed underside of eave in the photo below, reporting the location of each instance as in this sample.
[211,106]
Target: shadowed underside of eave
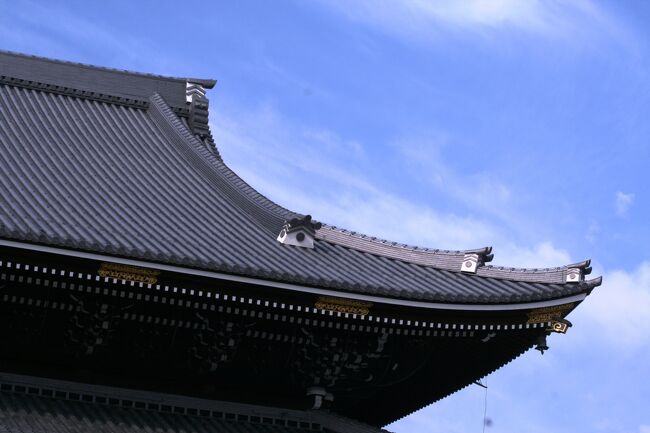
[428,361]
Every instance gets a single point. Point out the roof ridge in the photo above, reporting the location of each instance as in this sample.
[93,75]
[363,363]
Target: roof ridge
[207,83]
[74,92]
[253,194]
[211,165]
[450,260]
[583,265]
[571,273]
[436,258]
[401,245]
[114,85]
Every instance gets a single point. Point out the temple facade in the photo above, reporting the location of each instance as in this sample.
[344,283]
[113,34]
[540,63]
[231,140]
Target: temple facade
[144,286]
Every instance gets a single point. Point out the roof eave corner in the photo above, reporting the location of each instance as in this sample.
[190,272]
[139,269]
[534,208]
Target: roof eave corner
[576,272]
[206,83]
[593,283]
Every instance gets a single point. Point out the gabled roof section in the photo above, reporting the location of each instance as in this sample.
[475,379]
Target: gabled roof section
[186,96]
[93,79]
[141,180]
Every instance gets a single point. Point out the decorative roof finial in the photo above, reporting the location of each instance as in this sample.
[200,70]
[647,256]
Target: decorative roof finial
[198,105]
[299,232]
[475,258]
[576,273]
[559,325]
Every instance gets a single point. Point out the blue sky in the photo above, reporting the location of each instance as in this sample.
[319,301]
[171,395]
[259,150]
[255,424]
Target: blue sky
[512,123]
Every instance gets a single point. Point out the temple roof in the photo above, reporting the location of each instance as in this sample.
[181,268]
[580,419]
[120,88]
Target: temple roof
[123,164]
[32,404]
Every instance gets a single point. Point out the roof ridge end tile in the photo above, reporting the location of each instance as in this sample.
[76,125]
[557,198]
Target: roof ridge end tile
[207,83]
[405,246]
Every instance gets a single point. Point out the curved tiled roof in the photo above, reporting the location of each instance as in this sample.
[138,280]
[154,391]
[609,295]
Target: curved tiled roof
[79,77]
[132,180]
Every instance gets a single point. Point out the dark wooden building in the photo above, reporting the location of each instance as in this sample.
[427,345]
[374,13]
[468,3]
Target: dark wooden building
[144,286]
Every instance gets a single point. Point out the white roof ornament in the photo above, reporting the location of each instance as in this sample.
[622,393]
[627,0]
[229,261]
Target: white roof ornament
[576,273]
[470,263]
[299,232]
[193,91]
[198,105]
[573,275]
[473,259]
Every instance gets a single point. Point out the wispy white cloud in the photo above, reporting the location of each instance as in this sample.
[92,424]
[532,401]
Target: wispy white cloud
[313,170]
[542,255]
[623,203]
[54,30]
[485,193]
[480,191]
[527,14]
[618,313]
[592,232]
[423,20]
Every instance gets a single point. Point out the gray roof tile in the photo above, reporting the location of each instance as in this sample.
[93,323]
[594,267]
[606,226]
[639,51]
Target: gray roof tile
[134,181]
[20,413]
[36,404]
